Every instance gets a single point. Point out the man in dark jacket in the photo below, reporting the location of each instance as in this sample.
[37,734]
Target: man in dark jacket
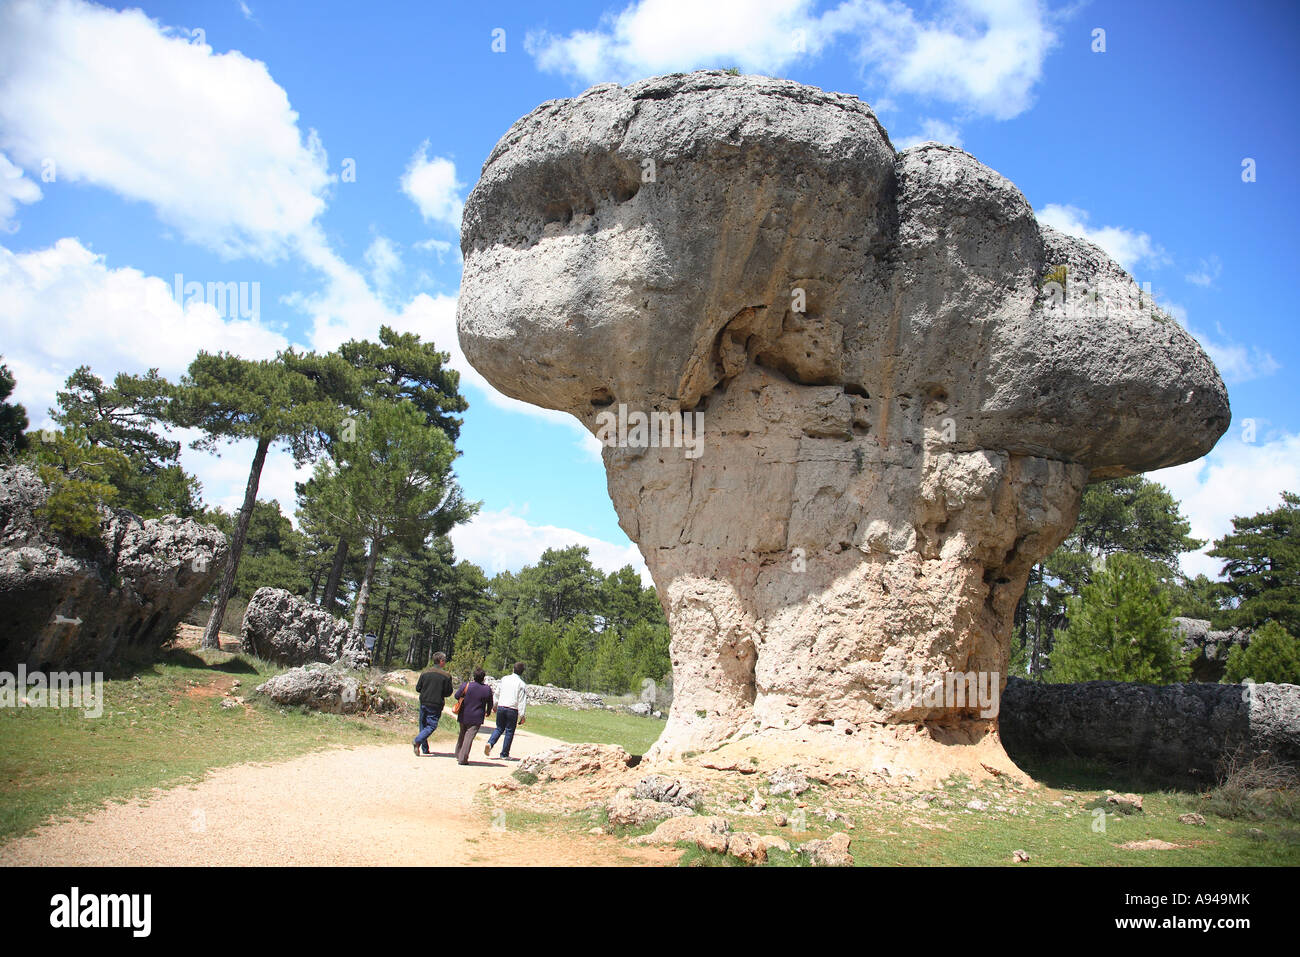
[433,687]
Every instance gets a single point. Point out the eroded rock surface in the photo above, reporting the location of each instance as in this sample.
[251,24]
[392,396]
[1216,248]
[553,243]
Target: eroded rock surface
[903,383]
[75,603]
[1181,730]
[281,627]
[323,688]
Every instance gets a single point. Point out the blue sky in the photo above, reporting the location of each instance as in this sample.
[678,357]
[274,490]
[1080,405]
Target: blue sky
[213,140]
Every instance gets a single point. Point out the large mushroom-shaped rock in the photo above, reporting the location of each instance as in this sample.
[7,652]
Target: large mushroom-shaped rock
[901,381]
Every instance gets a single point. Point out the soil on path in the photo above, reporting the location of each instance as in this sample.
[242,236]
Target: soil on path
[375,805]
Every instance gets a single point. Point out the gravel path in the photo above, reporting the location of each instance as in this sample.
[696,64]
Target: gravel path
[371,805]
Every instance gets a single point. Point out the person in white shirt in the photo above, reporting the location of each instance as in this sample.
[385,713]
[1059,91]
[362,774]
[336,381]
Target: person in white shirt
[512,699]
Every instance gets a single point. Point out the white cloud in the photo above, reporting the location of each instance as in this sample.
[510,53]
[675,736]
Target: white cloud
[1127,247]
[984,55]
[62,306]
[439,247]
[503,541]
[223,473]
[15,188]
[209,140]
[1236,479]
[431,184]
[662,36]
[932,131]
[385,262]
[1210,270]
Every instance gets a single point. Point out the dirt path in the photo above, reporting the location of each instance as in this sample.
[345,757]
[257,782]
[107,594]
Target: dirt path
[371,805]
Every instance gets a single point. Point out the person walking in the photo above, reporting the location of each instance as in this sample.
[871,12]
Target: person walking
[475,705]
[512,699]
[433,687]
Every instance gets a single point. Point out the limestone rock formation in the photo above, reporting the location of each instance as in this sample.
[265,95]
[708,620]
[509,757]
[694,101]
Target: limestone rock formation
[281,627]
[1209,648]
[1181,730]
[73,603]
[324,688]
[848,395]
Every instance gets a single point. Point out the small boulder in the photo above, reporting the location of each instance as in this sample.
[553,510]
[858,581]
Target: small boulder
[575,760]
[1192,818]
[656,787]
[625,810]
[324,689]
[832,852]
[695,829]
[747,847]
[787,780]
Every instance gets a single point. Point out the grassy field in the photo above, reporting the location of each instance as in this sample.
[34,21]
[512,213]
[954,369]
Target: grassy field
[164,729]
[632,733]
[164,726]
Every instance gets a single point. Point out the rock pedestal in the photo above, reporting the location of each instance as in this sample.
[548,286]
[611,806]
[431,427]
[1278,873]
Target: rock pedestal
[848,395]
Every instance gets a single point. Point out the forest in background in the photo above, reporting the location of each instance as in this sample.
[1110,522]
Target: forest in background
[369,542]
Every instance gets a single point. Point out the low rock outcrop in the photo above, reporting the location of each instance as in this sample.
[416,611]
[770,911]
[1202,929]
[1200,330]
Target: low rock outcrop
[575,760]
[848,396]
[281,627]
[1180,730]
[73,602]
[322,688]
[1209,648]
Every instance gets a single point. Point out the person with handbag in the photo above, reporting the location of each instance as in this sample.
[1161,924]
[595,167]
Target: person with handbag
[473,705]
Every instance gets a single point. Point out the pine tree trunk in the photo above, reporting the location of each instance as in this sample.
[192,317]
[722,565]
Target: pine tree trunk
[336,573]
[363,593]
[315,585]
[211,634]
[383,620]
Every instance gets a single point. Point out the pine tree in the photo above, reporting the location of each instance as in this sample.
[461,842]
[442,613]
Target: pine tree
[125,417]
[289,399]
[1272,655]
[393,482]
[1120,629]
[1262,563]
[13,417]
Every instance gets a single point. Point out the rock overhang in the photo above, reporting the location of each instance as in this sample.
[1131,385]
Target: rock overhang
[924,276]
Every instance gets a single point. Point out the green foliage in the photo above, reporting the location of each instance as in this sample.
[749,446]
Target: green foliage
[80,479]
[1120,629]
[1132,515]
[1273,654]
[401,367]
[123,417]
[272,550]
[293,398]
[1262,564]
[13,417]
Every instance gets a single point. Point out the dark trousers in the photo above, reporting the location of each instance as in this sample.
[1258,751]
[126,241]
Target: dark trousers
[428,725]
[465,742]
[507,718]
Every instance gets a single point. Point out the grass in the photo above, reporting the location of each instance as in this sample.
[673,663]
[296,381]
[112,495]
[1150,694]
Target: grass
[633,733]
[165,729]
